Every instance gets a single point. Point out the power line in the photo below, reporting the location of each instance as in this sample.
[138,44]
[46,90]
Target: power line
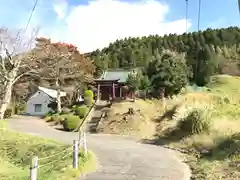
[31,14]
[199,13]
[186,15]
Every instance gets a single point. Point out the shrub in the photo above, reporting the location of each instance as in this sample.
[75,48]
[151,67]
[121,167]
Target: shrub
[88,97]
[65,111]
[88,93]
[19,108]
[57,118]
[196,121]
[227,147]
[81,111]
[71,122]
[48,118]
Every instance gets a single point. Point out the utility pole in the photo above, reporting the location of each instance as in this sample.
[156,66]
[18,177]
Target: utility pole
[187,15]
[239,6]
[198,50]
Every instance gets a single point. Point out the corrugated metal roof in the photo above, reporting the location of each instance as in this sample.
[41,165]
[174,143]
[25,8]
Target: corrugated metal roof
[122,75]
[51,92]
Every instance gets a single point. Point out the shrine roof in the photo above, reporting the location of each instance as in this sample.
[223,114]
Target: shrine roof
[119,75]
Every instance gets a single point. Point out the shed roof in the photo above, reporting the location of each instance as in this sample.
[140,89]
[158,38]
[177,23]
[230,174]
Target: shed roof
[119,74]
[51,92]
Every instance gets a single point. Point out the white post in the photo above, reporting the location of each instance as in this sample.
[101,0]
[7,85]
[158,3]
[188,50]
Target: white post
[75,154]
[85,143]
[33,168]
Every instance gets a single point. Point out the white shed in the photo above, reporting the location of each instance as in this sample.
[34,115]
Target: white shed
[37,104]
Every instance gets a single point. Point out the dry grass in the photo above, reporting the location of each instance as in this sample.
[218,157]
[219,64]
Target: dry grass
[218,150]
[139,124]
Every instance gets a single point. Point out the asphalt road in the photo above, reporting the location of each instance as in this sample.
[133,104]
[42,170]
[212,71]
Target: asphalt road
[120,158]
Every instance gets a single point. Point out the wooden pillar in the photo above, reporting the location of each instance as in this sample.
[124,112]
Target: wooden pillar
[120,89]
[98,92]
[113,90]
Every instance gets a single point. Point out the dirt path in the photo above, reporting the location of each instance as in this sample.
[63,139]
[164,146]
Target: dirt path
[120,158]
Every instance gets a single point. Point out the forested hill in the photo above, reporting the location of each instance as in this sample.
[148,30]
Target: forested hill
[138,51]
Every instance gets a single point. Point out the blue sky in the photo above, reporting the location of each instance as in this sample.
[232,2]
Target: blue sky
[92,24]
[214,13]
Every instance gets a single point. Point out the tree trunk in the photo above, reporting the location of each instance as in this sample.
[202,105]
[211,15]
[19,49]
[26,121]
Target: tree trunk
[145,94]
[6,98]
[59,107]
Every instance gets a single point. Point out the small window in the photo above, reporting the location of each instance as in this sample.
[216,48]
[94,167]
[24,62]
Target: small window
[38,107]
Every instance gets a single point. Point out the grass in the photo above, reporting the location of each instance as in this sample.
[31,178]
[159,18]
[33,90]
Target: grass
[215,153]
[17,149]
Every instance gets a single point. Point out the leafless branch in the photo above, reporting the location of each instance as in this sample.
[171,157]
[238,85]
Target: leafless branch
[28,73]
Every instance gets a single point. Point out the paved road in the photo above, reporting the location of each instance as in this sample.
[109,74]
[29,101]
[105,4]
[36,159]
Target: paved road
[120,158]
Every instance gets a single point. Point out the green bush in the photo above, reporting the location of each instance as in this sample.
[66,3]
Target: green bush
[57,118]
[19,108]
[195,122]
[88,97]
[65,111]
[73,109]
[48,118]
[71,122]
[88,93]
[81,111]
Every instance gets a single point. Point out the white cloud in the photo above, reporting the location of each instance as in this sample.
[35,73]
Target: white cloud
[96,24]
[61,9]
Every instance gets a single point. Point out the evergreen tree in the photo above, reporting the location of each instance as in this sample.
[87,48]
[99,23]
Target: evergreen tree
[132,52]
[206,66]
[168,73]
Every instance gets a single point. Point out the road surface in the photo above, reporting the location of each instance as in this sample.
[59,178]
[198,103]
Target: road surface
[120,158]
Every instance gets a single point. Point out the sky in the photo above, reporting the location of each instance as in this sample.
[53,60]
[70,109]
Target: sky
[93,24]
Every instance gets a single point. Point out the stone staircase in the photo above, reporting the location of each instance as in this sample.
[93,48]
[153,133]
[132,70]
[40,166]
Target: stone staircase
[94,117]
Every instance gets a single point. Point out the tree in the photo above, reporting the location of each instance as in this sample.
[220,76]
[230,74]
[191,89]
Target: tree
[207,66]
[169,74]
[133,83]
[145,85]
[14,62]
[61,62]
[139,51]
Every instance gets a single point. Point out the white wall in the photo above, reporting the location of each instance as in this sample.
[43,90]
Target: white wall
[38,98]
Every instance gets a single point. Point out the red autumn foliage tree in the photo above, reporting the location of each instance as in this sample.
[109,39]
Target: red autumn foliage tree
[60,62]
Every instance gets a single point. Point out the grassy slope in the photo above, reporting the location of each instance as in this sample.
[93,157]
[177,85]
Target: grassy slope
[16,150]
[221,98]
[218,150]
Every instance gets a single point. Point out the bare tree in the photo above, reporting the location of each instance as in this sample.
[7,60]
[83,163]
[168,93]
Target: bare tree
[14,62]
[61,62]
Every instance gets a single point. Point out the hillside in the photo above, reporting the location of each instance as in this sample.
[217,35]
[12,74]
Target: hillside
[138,51]
[216,144]
[202,122]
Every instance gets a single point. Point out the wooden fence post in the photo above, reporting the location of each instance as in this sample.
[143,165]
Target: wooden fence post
[33,168]
[84,143]
[75,154]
